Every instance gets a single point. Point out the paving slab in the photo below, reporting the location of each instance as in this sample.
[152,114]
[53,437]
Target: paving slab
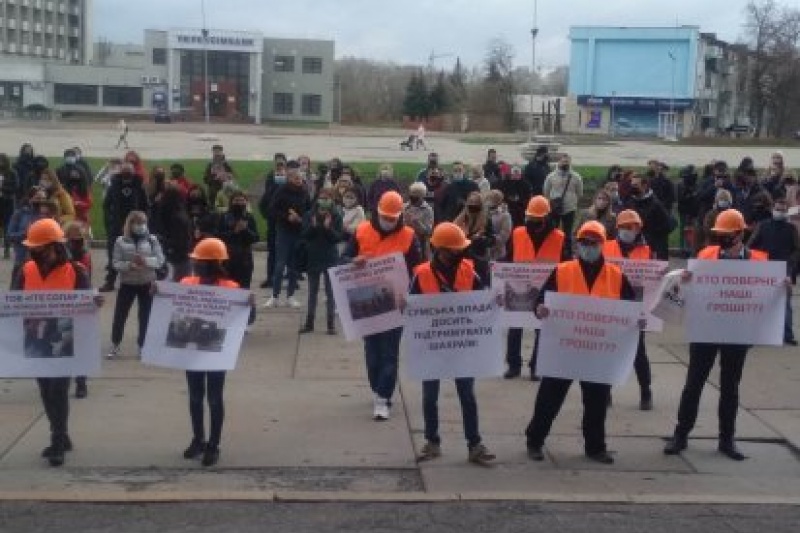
[764,460]
[786,422]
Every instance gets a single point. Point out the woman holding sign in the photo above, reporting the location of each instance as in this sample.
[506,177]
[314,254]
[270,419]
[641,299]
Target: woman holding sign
[537,240]
[589,275]
[729,231]
[50,269]
[630,244]
[449,271]
[384,234]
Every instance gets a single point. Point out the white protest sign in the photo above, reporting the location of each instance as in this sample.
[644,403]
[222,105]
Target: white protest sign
[452,335]
[367,298]
[588,339]
[670,302]
[46,334]
[646,277]
[519,284]
[736,302]
[196,327]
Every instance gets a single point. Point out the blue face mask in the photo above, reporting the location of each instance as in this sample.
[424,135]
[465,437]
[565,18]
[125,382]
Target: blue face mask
[280,179]
[589,254]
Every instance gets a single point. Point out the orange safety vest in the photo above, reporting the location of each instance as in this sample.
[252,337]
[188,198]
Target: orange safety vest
[524,252]
[570,280]
[62,278]
[612,249]
[372,244]
[711,253]
[195,280]
[429,282]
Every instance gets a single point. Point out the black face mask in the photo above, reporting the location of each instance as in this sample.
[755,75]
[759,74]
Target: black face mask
[76,248]
[636,191]
[206,270]
[536,226]
[727,241]
[39,256]
[447,260]
[563,168]
[238,210]
[176,174]
[474,208]
[126,177]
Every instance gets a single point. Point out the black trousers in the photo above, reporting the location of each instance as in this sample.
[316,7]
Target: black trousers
[55,398]
[206,385]
[313,291]
[240,270]
[127,294]
[642,365]
[514,350]
[272,232]
[701,360]
[111,274]
[552,392]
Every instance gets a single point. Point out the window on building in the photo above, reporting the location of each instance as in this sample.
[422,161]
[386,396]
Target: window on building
[75,94]
[312,105]
[284,64]
[283,103]
[312,65]
[122,96]
[159,56]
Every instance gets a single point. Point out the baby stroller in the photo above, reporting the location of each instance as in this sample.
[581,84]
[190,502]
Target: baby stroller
[409,144]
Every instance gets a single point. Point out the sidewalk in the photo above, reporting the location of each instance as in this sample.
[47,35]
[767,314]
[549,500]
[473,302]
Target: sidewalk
[299,427]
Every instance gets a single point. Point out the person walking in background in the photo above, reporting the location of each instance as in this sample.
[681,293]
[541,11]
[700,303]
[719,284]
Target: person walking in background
[501,224]
[537,170]
[122,130]
[564,188]
[418,215]
[8,194]
[450,271]
[322,232]
[137,255]
[600,211]
[384,183]
[75,234]
[474,221]
[289,205]
[780,240]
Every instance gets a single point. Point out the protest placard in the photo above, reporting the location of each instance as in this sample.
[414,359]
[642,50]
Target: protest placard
[196,327]
[670,302]
[588,339]
[736,302]
[452,335]
[60,334]
[368,298]
[645,277]
[519,284]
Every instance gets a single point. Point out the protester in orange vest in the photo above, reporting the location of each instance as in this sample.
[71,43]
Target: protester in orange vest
[630,244]
[729,231]
[589,275]
[537,240]
[384,234]
[208,258]
[449,271]
[50,269]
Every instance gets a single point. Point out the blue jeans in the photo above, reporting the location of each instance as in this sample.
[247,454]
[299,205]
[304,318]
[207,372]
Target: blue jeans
[382,351]
[788,333]
[465,387]
[285,243]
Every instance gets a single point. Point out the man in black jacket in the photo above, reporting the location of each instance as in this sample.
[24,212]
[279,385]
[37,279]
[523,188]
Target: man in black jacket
[491,169]
[71,170]
[537,170]
[217,172]
[661,185]
[655,219]
[455,195]
[275,178]
[125,194]
[688,206]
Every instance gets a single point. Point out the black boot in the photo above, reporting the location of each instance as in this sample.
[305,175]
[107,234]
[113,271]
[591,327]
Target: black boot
[727,447]
[646,400]
[512,373]
[57,450]
[676,444]
[108,286]
[308,327]
[331,327]
[80,388]
[196,447]
[211,455]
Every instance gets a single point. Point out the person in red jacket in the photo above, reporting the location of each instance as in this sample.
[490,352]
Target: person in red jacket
[449,271]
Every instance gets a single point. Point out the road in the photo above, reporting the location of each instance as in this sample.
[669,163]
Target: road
[497,517]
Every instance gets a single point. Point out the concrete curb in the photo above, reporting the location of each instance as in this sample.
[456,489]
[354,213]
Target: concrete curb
[105,497]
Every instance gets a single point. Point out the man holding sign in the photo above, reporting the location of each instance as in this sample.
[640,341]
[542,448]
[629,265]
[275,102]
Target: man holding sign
[729,231]
[449,271]
[630,244]
[382,235]
[589,275]
[537,240]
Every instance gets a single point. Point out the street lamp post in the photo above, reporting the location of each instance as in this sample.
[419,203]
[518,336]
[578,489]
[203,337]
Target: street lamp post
[534,33]
[673,120]
[611,124]
[206,88]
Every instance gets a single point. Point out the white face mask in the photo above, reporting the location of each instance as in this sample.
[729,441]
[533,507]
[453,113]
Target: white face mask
[780,215]
[387,225]
[349,202]
[627,235]
[590,254]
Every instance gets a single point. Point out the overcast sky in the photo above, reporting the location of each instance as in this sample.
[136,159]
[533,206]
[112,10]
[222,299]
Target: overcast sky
[406,31]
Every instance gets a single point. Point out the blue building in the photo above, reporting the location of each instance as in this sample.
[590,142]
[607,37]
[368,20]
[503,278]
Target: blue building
[634,81]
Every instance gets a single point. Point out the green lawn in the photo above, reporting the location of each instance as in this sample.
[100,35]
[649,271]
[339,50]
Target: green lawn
[250,175]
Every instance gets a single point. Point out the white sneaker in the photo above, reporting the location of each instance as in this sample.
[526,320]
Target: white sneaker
[381,409]
[271,302]
[113,352]
[293,303]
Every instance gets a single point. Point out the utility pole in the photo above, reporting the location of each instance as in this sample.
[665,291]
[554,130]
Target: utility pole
[206,88]
[673,122]
[534,33]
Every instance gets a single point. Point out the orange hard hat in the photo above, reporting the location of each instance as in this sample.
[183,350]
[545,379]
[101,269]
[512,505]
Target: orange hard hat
[592,229]
[448,235]
[729,221]
[43,232]
[391,204]
[210,249]
[629,216]
[538,206]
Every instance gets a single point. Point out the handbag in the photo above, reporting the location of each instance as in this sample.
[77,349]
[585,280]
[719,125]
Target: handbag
[557,204]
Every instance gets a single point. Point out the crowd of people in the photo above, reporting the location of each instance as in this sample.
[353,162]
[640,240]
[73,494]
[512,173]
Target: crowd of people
[449,224]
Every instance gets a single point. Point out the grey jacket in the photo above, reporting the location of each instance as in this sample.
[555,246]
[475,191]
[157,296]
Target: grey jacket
[557,181]
[124,251]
